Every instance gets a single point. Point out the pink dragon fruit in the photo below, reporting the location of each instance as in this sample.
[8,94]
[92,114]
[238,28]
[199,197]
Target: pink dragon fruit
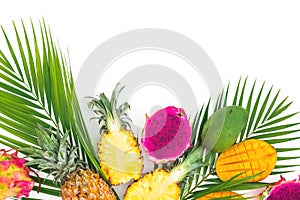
[14,176]
[287,190]
[167,134]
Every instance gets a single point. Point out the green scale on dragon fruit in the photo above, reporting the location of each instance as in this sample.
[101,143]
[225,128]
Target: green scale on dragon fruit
[282,190]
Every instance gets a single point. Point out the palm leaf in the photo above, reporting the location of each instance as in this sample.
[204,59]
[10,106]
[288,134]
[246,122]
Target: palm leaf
[37,87]
[269,120]
[221,186]
[193,182]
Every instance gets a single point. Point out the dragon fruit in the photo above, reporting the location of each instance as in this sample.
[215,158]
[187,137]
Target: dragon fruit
[14,176]
[167,134]
[283,189]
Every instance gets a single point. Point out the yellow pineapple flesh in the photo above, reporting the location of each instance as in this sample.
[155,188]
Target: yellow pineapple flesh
[120,157]
[118,151]
[249,157]
[215,195]
[156,185]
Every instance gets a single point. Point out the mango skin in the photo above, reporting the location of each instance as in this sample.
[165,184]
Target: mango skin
[223,127]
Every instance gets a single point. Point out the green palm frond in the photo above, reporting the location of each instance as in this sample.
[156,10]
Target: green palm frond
[269,120]
[267,112]
[36,87]
[222,186]
[192,182]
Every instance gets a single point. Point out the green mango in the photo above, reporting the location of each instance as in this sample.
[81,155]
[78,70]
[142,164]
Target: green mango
[223,127]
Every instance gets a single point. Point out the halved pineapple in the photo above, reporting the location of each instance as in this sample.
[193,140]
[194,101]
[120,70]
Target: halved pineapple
[120,157]
[154,185]
[118,151]
[163,185]
[249,157]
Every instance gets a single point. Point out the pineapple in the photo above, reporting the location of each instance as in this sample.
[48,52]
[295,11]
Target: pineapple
[161,184]
[14,176]
[154,185]
[118,151]
[56,155]
[218,195]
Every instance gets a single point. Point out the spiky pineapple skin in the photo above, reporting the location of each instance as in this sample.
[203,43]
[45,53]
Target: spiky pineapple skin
[67,168]
[86,185]
[154,186]
[249,157]
[14,176]
[120,157]
[221,194]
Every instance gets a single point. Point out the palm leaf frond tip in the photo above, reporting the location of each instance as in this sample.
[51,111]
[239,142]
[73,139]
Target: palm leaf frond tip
[36,87]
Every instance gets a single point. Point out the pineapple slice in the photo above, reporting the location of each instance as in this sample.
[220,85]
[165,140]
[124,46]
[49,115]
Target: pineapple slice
[120,157]
[163,185]
[154,185]
[118,151]
[251,157]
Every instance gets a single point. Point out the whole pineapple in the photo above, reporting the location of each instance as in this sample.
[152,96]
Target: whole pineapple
[14,176]
[118,151]
[56,155]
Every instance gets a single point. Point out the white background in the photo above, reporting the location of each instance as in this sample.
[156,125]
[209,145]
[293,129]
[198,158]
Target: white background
[260,39]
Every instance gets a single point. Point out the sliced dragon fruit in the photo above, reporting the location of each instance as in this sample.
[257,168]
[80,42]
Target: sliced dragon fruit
[283,189]
[167,134]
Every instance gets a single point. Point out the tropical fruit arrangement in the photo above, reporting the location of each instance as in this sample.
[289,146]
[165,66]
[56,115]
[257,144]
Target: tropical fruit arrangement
[230,147]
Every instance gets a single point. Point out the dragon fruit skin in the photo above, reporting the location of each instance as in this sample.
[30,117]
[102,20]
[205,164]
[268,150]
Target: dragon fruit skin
[167,134]
[287,190]
[14,176]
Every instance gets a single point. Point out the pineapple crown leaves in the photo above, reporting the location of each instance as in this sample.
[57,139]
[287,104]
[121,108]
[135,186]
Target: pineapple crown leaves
[190,163]
[55,154]
[108,115]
